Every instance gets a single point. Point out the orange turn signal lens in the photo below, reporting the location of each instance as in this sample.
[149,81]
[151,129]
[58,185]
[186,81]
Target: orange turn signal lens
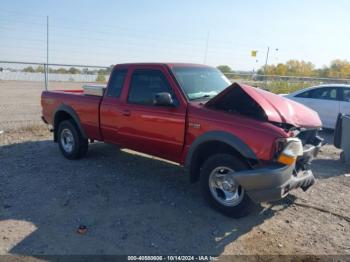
[286,160]
[292,150]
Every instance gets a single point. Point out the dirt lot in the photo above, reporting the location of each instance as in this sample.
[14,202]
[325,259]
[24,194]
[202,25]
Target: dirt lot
[136,204]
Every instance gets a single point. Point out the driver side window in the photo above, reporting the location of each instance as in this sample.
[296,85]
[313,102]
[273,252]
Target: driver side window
[145,84]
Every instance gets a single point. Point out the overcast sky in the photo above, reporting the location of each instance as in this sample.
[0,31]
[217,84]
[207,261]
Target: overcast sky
[107,32]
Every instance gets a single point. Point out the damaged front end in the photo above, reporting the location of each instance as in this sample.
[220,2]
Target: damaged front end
[299,122]
[265,106]
[235,100]
[289,170]
[290,165]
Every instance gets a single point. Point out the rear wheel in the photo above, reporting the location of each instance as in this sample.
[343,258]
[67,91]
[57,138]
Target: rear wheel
[220,188]
[70,141]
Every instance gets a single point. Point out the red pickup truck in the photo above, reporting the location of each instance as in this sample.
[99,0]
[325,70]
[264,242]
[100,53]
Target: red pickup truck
[243,144]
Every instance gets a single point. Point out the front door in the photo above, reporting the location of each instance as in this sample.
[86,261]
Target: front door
[145,127]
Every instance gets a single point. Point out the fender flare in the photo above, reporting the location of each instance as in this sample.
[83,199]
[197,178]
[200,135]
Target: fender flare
[220,136]
[70,111]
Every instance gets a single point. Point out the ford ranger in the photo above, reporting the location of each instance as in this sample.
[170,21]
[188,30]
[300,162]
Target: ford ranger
[243,144]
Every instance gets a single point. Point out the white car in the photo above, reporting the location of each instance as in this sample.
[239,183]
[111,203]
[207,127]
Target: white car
[327,100]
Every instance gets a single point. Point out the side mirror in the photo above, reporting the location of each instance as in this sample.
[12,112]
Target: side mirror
[163,99]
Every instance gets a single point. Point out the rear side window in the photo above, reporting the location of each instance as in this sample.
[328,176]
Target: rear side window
[346,94]
[326,93]
[145,84]
[304,94]
[116,83]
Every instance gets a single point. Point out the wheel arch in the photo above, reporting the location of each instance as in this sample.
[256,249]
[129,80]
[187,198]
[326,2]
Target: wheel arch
[214,142]
[65,112]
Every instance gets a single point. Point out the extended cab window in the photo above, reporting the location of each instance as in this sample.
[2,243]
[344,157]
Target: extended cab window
[145,84]
[116,83]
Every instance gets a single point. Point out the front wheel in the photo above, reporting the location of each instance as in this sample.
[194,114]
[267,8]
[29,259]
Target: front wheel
[220,188]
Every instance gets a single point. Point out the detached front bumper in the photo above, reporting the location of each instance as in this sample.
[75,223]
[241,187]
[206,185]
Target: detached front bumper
[274,182]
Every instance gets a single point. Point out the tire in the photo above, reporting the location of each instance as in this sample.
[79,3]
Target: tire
[215,171]
[70,141]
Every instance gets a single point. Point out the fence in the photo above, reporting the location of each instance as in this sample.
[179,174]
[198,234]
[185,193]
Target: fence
[21,85]
[26,71]
[282,84]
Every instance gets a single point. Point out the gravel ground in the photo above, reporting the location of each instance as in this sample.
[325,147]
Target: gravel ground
[136,204]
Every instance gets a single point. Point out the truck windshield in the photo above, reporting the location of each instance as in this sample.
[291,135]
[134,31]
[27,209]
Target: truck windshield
[200,82]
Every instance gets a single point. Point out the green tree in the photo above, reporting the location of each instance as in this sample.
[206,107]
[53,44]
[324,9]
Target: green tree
[101,78]
[224,69]
[322,72]
[39,69]
[291,67]
[61,70]
[339,68]
[300,68]
[281,69]
[74,70]
[28,69]
[270,70]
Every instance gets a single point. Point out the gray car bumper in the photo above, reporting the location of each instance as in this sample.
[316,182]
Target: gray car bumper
[274,182]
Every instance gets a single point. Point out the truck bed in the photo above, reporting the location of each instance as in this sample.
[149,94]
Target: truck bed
[85,106]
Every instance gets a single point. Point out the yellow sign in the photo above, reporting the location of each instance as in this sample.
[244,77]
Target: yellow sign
[254,52]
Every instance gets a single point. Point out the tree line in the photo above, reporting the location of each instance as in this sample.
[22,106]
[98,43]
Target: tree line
[71,70]
[336,69]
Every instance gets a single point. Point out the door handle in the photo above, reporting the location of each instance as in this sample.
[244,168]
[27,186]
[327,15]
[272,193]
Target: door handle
[126,113]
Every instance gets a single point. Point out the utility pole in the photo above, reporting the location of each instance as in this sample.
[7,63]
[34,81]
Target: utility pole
[206,47]
[265,68]
[47,54]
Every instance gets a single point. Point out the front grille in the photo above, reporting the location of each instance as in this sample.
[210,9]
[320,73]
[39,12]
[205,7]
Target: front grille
[307,136]
[309,140]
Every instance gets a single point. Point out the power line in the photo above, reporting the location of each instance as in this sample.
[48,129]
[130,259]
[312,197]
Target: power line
[123,36]
[117,37]
[105,43]
[20,13]
[109,43]
[111,49]
[21,22]
[114,27]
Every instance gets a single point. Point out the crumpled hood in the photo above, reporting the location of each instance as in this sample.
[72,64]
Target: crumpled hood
[277,108]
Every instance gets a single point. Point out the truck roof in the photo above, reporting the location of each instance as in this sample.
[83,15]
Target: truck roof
[166,64]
